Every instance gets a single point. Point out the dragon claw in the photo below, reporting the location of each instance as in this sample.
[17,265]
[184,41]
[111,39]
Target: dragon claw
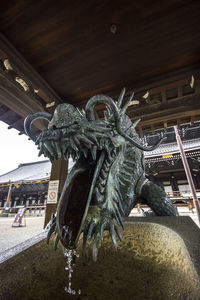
[56,242]
[102,231]
[96,246]
[112,234]
[96,223]
[51,226]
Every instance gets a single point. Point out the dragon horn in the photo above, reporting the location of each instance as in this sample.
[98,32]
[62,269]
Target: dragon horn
[121,97]
[135,123]
[89,111]
[31,118]
[124,108]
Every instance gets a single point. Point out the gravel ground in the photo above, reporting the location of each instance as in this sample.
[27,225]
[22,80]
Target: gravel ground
[11,236]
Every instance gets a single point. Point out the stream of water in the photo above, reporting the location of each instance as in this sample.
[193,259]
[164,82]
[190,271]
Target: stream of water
[70,255]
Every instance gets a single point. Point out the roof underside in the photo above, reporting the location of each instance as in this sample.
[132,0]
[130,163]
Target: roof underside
[70,50]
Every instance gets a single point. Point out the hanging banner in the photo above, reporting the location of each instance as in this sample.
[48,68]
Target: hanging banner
[52,196]
[18,218]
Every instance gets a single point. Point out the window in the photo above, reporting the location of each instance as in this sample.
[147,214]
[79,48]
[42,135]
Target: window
[185,190]
[168,189]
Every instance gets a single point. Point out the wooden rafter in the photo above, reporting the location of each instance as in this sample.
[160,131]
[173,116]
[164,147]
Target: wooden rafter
[26,71]
[22,89]
[183,106]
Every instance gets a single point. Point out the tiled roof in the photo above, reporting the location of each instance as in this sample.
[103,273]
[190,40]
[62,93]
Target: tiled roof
[173,148]
[28,172]
[41,170]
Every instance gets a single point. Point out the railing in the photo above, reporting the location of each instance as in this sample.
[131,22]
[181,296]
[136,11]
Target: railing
[38,210]
[183,198]
[185,195]
[34,210]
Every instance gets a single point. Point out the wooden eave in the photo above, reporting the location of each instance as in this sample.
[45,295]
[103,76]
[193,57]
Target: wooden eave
[67,52]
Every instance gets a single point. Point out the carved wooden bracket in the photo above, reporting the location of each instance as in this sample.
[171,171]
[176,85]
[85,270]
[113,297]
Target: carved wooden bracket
[22,89]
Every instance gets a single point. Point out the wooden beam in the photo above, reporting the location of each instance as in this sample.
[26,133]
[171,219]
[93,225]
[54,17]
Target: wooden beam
[12,96]
[140,131]
[19,124]
[26,71]
[167,80]
[22,89]
[169,86]
[197,86]
[170,118]
[152,128]
[181,106]
[178,123]
[4,115]
[192,121]
[164,98]
[180,92]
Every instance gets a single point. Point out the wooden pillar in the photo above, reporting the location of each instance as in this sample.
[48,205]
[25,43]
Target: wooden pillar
[195,179]
[174,184]
[7,206]
[59,172]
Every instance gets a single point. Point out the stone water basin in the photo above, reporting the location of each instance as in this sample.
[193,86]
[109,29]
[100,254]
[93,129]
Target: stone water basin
[153,262]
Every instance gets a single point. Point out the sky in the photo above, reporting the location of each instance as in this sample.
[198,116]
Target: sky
[15,149]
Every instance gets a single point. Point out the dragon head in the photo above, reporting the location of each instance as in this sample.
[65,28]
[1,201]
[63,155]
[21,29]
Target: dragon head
[98,147]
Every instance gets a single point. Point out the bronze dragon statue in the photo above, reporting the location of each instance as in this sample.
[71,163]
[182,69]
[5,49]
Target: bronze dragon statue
[108,177]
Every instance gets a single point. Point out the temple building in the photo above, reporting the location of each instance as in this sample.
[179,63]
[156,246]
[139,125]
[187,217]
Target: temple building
[68,54]
[29,182]
[64,67]
[164,165]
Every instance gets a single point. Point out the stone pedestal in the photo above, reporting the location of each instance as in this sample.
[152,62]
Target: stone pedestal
[159,258]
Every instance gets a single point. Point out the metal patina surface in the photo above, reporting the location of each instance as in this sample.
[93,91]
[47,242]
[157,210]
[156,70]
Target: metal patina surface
[108,178]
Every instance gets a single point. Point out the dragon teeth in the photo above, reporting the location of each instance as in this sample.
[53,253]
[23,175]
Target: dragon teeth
[94,152]
[85,152]
[92,137]
[104,174]
[101,188]
[63,148]
[73,145]
[58,149]
[98,195]
[102,180]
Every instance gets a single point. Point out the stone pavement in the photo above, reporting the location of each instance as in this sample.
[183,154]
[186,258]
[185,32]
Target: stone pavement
[12,236]
[183,211]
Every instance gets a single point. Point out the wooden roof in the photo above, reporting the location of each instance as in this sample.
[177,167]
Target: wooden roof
[67,51]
